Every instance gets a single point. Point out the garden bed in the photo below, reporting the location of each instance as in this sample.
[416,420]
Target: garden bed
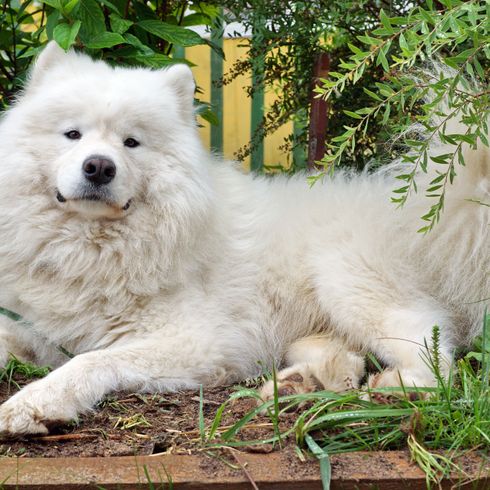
[159,438]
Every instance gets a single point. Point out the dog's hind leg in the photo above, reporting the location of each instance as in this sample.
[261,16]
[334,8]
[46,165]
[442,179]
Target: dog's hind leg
[317,363]
[405,345]
[385,312]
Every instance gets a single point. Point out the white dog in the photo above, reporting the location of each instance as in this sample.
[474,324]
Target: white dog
[123,241]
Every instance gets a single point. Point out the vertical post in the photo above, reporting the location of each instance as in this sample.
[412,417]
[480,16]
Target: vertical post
[216,88]
[318,113]
[299,154]
[257,116]
[178,51]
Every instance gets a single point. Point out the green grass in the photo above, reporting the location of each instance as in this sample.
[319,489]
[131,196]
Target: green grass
[437,427]
[26,369]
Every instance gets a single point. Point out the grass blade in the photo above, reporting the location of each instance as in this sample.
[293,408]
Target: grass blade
[323,459]
[202,430]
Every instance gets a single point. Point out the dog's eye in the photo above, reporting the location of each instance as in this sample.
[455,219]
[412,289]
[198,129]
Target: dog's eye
[131,143]
[73,134]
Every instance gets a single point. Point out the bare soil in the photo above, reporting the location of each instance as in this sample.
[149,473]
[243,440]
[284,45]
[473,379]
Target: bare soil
[126,424]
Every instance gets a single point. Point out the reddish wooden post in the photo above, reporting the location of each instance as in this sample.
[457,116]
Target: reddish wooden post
[318,112]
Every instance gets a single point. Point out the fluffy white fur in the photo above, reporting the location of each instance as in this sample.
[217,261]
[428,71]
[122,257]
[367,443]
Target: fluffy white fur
[210,275]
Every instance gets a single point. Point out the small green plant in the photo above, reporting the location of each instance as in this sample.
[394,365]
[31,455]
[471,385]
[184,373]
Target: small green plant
[133,421]
[15,367]
[113,403]
[274,411]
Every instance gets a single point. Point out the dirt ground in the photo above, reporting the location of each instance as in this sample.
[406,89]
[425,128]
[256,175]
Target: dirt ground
[126,424]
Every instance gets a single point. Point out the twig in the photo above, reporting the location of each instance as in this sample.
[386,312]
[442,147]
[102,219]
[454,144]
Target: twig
[234,452]
[65,437]
[205,401]
[41,23]
[126,9]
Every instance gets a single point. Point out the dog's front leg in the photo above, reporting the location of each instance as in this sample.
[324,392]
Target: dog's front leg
[78,385]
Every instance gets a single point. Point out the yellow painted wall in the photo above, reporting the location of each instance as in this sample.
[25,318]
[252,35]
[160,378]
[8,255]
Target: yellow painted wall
[236,104]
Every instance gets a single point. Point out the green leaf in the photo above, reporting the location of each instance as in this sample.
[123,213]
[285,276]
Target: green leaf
[438,179]
[68,5]
[170,33]
[370,41]
[441,159]
[426,16]
[479,68]
[196,19]
[382,59]
[353,115]
[105,40]
[65,35]
[386,114]
[433,188]
[118,24]
[51,23]
[373,95]
[65,6]
[204,111]
[92,18]
[355,49]
[475,355]
[406,177]
[403,42]
[134,41]
[156,60]
[53,3]
[215,47]
[385,21]
[381,31]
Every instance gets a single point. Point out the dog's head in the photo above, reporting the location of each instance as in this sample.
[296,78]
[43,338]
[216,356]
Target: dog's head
[106,138]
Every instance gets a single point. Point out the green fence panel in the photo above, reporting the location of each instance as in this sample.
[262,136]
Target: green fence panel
[216,88]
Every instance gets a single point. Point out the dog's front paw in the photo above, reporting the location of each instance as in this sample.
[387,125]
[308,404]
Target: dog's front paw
[37,407]
[19,417]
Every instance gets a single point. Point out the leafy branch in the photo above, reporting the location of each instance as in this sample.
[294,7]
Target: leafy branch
[417,99]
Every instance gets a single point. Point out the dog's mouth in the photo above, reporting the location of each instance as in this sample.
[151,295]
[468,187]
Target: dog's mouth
[93,197]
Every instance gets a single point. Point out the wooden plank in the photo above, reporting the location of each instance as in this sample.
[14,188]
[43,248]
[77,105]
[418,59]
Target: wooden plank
[391,470]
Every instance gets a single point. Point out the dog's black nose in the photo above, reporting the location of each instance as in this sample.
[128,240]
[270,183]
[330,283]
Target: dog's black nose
[98,169]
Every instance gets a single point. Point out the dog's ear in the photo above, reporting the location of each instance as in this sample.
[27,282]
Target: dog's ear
[50,56]
[180,79]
